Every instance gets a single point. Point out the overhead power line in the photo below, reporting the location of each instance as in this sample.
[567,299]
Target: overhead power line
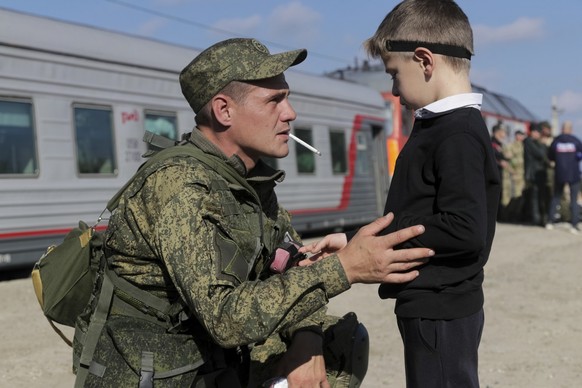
[215,29]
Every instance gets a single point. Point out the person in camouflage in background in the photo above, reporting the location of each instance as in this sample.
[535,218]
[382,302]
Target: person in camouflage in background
[515,152]
[498,138]
[192,235]
[516,161]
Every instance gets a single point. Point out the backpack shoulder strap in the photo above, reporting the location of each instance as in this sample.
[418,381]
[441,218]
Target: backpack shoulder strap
[154,162]
[91,337]
[157,141]
[114,285]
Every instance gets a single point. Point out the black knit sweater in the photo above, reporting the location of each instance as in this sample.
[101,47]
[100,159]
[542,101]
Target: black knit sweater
[446,179]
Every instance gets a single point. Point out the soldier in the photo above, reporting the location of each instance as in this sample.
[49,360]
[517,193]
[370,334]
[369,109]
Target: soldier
[547,138]
[498,136]
[515,155]
[535,173]
[201,236]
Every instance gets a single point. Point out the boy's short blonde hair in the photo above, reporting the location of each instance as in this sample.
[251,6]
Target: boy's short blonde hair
[431,21]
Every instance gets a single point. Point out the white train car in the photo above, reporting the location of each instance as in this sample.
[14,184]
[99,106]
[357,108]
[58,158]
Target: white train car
[75,102]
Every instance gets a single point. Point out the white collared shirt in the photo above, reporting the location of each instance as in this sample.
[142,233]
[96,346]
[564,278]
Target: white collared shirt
[447,104]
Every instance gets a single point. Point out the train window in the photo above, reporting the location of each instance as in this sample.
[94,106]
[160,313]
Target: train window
[305,158]
[362,157]
[337,140]
[17,140]
[162,123]
[94,138]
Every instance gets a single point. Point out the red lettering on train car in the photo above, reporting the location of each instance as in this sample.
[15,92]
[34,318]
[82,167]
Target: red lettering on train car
[129,116]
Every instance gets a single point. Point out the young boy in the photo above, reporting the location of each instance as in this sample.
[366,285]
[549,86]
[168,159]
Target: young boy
[447,179]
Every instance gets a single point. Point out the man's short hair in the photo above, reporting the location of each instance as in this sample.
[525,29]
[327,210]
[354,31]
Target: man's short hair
[498,127]
[235,89]
[238,59]
[545,124]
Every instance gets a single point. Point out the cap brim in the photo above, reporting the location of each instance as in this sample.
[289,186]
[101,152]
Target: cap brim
[277,64]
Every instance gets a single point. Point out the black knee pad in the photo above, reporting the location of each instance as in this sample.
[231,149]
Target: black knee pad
[348,343]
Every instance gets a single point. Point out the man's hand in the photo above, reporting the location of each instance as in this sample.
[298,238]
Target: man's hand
[369,258]
[303,363]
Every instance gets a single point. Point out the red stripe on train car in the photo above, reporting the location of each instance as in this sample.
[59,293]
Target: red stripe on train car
[41,233]
[348,180]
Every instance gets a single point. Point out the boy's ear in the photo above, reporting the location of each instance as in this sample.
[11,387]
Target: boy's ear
[425,59]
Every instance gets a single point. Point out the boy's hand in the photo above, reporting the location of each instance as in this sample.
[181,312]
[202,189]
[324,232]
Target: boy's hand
[323,248]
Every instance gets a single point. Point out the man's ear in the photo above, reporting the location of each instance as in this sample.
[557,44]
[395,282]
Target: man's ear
[221,105]
[425,59]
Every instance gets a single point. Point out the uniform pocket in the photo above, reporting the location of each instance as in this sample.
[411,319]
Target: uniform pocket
[172,360]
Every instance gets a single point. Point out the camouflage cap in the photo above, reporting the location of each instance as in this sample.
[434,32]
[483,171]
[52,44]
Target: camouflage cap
[238,59]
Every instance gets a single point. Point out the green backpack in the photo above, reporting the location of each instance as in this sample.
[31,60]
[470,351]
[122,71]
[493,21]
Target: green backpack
[75,287]
[63,277]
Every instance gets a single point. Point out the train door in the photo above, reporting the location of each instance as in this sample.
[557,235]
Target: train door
[399,122]
[371,162]
[380,157]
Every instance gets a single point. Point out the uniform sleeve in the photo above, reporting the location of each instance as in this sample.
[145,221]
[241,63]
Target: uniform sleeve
[313,322]
[235,313]
[578,149]
[552,151]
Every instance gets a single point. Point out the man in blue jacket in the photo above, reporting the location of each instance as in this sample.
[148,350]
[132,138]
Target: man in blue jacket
[566,152]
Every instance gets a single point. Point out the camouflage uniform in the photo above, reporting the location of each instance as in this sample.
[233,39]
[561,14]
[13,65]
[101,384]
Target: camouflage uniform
[189,235]
[515,154]
[514,209]
[506,184]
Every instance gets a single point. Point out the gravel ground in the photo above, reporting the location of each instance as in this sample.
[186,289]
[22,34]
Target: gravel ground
[532,334]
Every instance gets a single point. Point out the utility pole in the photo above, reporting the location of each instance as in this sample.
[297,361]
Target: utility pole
[555,113]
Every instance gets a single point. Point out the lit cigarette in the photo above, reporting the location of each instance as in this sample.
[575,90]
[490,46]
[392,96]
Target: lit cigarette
[304,144]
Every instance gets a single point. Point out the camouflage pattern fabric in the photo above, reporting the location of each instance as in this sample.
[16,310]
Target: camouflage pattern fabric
[338,350]
[120,351]
[238,59]
[189,234]
[506,185]
[515,154]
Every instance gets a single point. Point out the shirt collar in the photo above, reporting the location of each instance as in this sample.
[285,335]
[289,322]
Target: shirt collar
[447,104]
